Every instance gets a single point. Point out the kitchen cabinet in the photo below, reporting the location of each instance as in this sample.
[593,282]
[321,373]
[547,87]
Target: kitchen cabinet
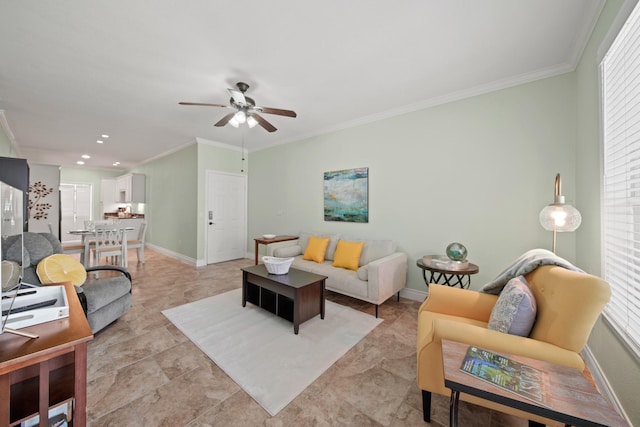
[130,188]
[108,195]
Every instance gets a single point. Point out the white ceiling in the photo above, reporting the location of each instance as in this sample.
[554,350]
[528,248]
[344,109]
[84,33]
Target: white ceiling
[71,70]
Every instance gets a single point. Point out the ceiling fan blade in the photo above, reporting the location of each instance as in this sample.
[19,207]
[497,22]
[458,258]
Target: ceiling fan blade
[223,121]
[203,105]
[278,111]
[237,96]
[265,124]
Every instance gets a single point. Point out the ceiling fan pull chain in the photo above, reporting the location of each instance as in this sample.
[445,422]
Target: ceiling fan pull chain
[242,155]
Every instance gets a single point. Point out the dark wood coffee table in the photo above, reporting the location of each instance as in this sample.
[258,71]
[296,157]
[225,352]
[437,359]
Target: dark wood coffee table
[297,296]
[570,397]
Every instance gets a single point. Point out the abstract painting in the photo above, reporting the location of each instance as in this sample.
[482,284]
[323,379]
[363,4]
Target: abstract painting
[346,195]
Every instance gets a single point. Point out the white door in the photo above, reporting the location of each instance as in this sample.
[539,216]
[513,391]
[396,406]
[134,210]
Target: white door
[226,215]
[75,208]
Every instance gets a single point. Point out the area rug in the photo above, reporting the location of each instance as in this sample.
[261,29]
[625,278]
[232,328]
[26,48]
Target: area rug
[259,350]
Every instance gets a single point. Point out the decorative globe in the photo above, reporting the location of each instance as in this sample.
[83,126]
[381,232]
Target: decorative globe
[457,252]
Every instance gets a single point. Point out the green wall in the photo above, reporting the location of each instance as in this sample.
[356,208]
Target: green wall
[476,171]
[620,365]
[175,196]
[213,157]
[171,185]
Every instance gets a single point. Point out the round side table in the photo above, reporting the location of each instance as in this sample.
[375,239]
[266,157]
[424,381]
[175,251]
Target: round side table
[446,276]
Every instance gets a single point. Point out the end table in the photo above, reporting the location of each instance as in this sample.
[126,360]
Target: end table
[446,276]
[262,240]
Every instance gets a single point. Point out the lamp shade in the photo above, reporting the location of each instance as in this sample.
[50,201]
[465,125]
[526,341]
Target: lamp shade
[560,217]
[240,117]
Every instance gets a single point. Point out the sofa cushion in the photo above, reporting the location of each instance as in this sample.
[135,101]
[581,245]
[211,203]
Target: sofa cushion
[348,254]
[374,249]
[515,311]
[10,275]
[59,268]
[303,241]
[363,273]
[13,250]
[287,251]
[37,246]
[316,248]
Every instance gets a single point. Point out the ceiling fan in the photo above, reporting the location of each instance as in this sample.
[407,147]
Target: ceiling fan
[246,110]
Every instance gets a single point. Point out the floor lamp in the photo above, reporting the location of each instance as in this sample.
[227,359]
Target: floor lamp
[559,216]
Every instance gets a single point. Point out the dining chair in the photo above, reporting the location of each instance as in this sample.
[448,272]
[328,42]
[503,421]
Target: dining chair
[138,243]
[107,241]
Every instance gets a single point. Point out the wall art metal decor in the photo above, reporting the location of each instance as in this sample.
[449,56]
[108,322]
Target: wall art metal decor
[346,195]
[38,208]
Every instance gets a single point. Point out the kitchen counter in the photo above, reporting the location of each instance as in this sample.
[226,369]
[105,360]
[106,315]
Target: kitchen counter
[111,215]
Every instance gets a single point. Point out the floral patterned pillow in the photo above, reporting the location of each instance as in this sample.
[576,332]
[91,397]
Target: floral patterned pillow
[515,310]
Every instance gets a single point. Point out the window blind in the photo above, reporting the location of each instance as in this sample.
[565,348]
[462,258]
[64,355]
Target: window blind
[620,79]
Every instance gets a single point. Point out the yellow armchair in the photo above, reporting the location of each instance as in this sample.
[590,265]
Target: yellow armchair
[568,305]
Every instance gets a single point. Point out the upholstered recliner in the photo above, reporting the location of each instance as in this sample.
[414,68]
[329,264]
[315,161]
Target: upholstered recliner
[103,299]
[568,305]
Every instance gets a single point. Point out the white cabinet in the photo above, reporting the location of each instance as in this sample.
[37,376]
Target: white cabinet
[130,188]
[108,195]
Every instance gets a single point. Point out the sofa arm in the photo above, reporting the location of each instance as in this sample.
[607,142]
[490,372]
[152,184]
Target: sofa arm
[459,302]
[387,276]
[122,270]
[271,247]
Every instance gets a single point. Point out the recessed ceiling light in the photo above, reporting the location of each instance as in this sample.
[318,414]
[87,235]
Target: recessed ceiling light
[100,141]
[80,162]
[85,156]
[104,136]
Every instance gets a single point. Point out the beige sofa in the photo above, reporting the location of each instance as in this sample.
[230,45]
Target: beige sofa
[382,270]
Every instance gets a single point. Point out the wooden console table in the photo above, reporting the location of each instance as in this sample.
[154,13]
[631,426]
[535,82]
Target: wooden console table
[263,241]
[36,374]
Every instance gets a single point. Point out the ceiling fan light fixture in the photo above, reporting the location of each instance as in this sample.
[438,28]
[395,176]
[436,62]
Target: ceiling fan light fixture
[240,116]
[251,121]
[234,122]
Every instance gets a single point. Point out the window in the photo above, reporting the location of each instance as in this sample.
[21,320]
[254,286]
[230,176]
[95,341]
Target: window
[620,78]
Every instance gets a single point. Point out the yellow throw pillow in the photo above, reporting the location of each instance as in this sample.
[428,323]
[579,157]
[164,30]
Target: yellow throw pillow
[315,249]
[59,268]
[348,254]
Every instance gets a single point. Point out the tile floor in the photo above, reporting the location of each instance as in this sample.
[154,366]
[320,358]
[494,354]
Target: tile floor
[144,372]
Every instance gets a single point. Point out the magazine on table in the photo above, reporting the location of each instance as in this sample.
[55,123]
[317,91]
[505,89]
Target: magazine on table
[518,378]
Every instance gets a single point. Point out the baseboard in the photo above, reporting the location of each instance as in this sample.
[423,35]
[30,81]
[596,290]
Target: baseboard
[174,255]
[413,294]
[602,383]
